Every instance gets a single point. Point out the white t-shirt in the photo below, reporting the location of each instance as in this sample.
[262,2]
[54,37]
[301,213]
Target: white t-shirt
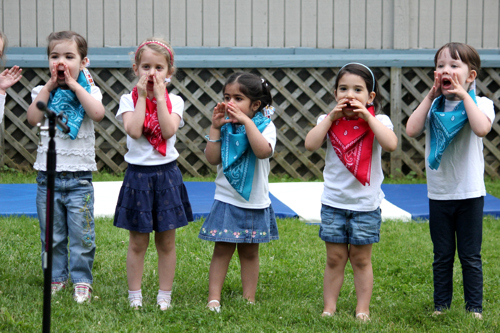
[342,190]
[259,197]
[140,151]
[2,106]
[72,155]
[461,172]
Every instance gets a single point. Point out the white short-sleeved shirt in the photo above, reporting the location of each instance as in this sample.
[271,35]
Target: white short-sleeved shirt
[140,151]
[72,155]
[259,197]
[2,106]
[342,190]
[461,172]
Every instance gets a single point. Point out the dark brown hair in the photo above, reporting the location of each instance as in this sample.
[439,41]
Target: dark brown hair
[366,75]
[460,51]
[253,87]
[56,37]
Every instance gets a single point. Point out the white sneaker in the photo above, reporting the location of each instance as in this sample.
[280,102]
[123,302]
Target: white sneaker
[83,292]
[57,286]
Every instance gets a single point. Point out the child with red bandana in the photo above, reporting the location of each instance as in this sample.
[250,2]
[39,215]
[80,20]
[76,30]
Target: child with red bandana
[350,213]
[455,121]
[153,196]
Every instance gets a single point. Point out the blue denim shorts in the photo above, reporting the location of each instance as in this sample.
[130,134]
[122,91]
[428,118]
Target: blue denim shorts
[228,223]
[349,227]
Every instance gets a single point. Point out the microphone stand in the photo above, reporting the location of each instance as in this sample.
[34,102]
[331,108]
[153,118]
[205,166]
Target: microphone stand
[54,119]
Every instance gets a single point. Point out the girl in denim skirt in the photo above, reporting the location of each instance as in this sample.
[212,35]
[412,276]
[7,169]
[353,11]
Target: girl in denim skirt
[69,90]
[241,141]
[153,196]
[350,213]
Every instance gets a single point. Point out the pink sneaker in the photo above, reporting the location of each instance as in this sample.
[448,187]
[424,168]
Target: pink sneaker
[83,292]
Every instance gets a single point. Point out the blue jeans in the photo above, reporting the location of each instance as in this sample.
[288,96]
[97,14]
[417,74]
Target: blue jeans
[461,220]
[73,221]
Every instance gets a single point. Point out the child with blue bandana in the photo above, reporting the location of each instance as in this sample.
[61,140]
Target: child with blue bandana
[455,120]
[70,89]
[241,141]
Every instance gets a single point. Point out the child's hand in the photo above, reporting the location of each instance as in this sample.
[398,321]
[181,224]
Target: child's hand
[436,88]
[457,90]
[235,114]
[141,86]
[360,110]
[338,110]
[159,88]
[219,116]
[52,83]
[69,80]
[9,77]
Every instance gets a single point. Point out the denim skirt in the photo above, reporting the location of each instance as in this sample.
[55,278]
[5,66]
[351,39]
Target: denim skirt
[153,198]
[231,224]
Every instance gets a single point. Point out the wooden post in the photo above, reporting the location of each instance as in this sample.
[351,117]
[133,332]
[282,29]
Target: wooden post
[396,110]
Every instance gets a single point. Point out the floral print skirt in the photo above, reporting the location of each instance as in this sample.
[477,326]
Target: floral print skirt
[231,224]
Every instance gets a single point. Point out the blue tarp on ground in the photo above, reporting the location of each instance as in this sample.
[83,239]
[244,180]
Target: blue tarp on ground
[19,199]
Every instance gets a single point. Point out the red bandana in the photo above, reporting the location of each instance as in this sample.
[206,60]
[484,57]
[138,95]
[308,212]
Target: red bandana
[151,128]
[352,140]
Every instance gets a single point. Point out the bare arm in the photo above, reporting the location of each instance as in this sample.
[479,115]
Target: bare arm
[260,146]
[169,122]
[385,136]
[317,135]
[212,150]
[416,123]
[479,122]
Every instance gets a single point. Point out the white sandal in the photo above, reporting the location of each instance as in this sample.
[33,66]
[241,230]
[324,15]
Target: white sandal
[363,316]
[135,302]
[326,314]
[214,308]
[164,303]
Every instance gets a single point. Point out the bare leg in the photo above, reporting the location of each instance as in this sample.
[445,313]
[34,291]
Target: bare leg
[218,269]
[249,261]
[336,259]
[165,246]
[361,261]
[137,246]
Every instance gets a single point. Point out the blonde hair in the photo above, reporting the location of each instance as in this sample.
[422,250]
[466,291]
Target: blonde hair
[160,46]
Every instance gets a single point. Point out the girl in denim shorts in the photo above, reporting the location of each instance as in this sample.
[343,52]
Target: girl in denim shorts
[153,196]
[69,90]
[241,216]
[350,213]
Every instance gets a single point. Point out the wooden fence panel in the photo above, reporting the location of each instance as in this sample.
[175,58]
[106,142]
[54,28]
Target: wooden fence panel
[300,95]
[350,24]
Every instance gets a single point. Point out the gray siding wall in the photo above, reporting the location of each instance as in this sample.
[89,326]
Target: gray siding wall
[340,24]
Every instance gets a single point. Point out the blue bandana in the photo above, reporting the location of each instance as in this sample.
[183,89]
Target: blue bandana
[65,100]
[444,126]
[238,159]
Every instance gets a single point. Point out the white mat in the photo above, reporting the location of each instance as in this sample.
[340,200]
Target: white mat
[305,199]
[302,197]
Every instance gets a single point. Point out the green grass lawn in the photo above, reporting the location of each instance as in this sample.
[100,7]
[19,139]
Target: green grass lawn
[289,294]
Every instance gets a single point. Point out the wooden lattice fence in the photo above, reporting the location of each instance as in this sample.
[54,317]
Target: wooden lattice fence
[300,96]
